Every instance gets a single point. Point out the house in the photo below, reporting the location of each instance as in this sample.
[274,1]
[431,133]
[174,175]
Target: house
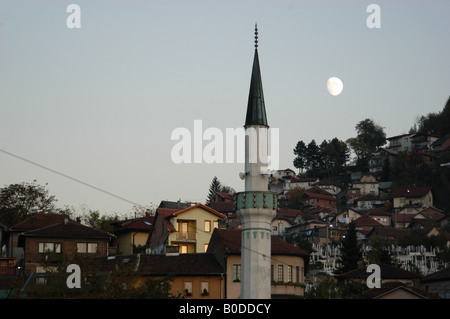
[417,197]
[288,269]
[33,222]
[283,173]
[195,276]
[436,215]
[61,241]
[438,283]
[396,290]
[400,143]
[365,223]
[370,201]
[388,274]
[378,158]
[367,184]
[441,145]
[386,233]
[132,234]
[285,218]
[347,216]
[317,197]
[189,228]
[303,182]
[331,187]
[224,204]
[381,216]
[403,218]
[422,141]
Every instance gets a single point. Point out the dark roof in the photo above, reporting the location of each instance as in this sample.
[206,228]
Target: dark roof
[70,229]
[155,264]
[256,110]
[389,231]
[182,264]
[38,221]
[231,241]
[173,205]
[410,191]
[223,207]
[390,287]
[441,275]
[387,272]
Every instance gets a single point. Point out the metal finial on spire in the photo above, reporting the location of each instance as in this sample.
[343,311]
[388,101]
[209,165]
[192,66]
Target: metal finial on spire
[256,36]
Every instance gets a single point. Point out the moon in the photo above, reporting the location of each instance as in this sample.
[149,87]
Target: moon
[335,86]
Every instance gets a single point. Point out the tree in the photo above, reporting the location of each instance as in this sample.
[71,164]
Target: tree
[370,136]
[313,158]
[295,198]
[334,155]
[214,188]
[350,252]
[102,223]
[378,254]
[19,201]
[300,159]
[434,123]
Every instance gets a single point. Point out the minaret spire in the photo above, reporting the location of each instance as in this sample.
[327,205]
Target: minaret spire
[256,36]
[256,110]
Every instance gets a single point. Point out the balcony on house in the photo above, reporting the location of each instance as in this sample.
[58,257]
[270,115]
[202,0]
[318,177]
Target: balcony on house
[186,236]
[187,231]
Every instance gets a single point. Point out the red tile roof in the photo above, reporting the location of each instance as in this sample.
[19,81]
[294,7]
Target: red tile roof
[144,224]
[378,212]
[366,220]
[410,192]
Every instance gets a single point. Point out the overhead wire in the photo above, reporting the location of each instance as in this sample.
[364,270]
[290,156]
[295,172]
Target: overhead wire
[69,177]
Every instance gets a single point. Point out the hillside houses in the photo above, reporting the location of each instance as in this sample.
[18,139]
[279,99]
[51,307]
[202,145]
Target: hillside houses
[199,246]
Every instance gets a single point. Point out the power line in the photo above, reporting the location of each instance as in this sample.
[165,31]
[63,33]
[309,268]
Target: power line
[69,177]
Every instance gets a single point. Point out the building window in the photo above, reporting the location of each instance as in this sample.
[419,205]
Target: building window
[205,289]
[289,273]
[207,226]
[49,248]
[297,274]
[188,288]
[216,224]
[87,248]
[280,273]
[184,249]
[205,248]
[271,272]
[236,272]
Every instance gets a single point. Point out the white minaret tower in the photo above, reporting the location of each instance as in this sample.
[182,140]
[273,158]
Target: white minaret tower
[256,206]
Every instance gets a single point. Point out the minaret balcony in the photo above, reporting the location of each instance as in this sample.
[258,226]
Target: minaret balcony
[257,199]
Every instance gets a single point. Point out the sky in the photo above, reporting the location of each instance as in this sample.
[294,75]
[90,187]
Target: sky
[90,111]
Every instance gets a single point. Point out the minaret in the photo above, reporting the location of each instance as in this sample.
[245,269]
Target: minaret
[256,206]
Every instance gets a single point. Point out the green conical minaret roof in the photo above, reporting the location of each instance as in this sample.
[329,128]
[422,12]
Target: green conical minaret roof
[256,110]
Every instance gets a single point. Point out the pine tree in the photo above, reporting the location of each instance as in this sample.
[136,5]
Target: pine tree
[214,188]
[350,252]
